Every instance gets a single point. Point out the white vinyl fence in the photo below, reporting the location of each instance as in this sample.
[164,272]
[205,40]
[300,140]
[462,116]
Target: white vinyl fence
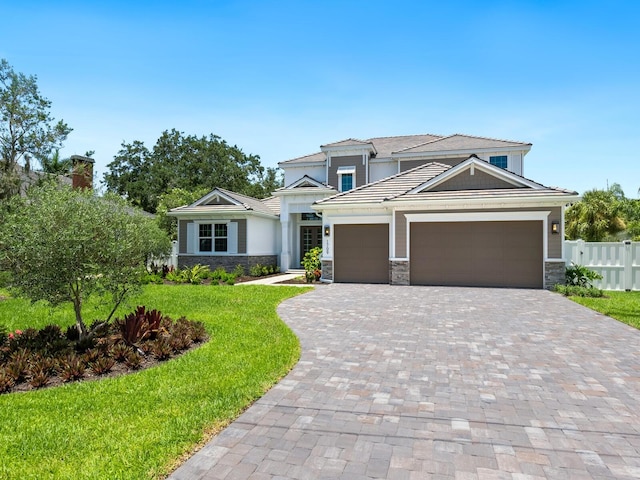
[617,262]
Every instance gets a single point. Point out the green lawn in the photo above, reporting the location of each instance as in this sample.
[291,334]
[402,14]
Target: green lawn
[623,306]
[139,426]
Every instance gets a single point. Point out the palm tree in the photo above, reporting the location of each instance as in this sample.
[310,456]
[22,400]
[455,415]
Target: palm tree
[55,165]
[595,217]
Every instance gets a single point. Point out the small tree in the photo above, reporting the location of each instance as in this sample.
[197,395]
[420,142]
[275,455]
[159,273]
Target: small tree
[63,245]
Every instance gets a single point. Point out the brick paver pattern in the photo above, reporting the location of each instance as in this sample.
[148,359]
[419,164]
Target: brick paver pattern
[435,382]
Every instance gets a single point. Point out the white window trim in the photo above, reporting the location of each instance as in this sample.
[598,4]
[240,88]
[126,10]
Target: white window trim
[346,171]
[232,237]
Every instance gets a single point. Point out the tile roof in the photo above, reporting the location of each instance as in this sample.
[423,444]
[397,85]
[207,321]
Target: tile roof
[388,188]
[386,146]
[399,187]
[458,141]
[273,204]
[347,142]
[245,203]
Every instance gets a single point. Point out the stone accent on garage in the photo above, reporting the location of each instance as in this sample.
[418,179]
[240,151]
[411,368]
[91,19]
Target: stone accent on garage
[554,273]
[228,262]
[327,270]
[399,272]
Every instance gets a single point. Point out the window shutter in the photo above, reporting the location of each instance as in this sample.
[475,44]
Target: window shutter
[232,237]
[192,237]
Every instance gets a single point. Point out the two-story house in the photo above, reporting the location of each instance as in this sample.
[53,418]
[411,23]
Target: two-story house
[417,209]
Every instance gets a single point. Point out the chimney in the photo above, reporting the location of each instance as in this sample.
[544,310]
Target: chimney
[82,171]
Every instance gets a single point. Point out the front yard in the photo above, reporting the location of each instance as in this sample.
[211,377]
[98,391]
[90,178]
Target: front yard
[623,306]
[140,425]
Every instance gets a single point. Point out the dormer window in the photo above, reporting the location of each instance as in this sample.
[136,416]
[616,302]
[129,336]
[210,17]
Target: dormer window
[499,161]
[346,178]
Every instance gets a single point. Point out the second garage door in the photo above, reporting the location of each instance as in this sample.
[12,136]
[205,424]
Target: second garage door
[361,253]
[488,254]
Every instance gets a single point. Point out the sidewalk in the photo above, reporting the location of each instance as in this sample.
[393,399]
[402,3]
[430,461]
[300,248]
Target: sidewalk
[275,279]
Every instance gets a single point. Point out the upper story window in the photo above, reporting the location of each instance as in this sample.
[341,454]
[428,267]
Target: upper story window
[212,237]
[499,161]
[346,178]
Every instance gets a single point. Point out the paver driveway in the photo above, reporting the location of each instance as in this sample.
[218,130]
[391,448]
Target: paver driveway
[434,382]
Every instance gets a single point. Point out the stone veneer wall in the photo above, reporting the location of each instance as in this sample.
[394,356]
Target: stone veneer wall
[228,262]
[327,270]
[399,272]
[554,274]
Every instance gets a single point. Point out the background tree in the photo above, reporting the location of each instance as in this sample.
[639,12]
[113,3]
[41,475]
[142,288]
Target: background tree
[596,217]
[186,162]
[63,245]
[56,165]
[27,129]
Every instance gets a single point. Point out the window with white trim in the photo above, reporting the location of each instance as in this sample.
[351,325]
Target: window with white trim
[212,237]
[499,161]
[346,178]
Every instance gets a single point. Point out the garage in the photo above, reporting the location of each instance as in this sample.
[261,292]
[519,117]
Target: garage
[484,254]
[361,253]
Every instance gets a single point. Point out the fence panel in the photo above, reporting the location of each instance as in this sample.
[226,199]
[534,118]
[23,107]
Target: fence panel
[617,262]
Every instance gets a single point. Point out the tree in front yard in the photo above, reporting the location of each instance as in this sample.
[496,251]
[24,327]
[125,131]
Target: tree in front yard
[63,245]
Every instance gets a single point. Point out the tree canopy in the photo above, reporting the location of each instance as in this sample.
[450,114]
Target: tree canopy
[189,163]
[603,215]
[63,245]
[27,129]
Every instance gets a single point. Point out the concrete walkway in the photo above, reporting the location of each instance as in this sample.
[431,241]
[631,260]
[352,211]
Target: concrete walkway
[430,382]
[276,279]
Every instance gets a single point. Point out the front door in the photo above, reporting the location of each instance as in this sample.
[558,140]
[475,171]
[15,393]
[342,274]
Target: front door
[310,237]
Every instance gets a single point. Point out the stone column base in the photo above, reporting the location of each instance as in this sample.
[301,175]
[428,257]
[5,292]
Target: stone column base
[327,271]
[554,273]
[399,272]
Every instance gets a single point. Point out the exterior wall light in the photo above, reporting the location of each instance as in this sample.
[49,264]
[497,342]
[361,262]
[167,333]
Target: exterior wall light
[555,227]
[327,230]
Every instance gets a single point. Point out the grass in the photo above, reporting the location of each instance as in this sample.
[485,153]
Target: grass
[623,306]
[139,426]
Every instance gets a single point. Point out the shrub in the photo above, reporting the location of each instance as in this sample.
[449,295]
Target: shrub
[581,276]
[6,381]
[578,291]
[5,279]
[195,274]
[102,365]
[259,270]
[71,368]
[239,271]
[133,360]
[312,264]
[219,274]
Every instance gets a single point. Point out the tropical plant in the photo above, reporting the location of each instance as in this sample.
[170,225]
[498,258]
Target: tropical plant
[595,217]
[55,165]
[581,276]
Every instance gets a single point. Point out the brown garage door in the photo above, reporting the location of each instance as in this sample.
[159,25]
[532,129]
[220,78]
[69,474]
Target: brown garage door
[361,253]
[487,254]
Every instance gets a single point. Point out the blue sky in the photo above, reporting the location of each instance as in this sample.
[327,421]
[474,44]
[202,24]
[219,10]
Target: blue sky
[280,78]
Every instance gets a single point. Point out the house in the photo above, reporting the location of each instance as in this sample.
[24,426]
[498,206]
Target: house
[404,210]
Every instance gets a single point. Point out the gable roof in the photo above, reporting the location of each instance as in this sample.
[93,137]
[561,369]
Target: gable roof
[305,182]
[408,145]
[233,203]
[416,184]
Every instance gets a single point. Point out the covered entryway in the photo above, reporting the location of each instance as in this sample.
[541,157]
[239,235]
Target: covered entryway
[361,253]
[486,254]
